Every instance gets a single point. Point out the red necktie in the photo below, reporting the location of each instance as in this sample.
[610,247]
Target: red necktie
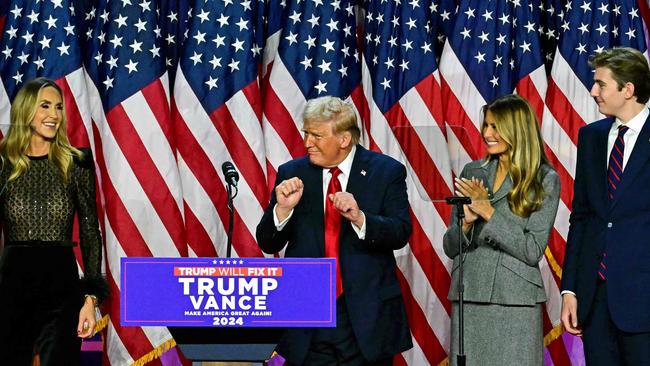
[333,227]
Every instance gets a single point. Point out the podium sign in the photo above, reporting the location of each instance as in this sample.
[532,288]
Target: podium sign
[233,292]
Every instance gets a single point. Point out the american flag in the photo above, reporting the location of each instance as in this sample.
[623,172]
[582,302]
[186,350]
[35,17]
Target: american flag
[128,90]
[166,91]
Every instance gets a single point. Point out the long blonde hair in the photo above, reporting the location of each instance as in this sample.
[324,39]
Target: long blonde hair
[518,126]
[14,146]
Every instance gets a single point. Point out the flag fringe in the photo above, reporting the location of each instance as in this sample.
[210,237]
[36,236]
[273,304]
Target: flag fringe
[553,263]
[155,353]
[101,324]
[554,334]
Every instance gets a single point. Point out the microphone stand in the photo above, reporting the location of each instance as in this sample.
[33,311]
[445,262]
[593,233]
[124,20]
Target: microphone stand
[458,202]
[231,215]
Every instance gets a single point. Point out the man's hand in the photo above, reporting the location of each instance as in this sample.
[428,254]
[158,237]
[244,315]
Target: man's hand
[569,315]
[347,206]
[288,194]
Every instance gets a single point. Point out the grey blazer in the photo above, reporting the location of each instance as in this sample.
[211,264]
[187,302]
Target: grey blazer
[502,257]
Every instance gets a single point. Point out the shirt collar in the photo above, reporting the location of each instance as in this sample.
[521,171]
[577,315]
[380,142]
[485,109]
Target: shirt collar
[636,123]
[346,165]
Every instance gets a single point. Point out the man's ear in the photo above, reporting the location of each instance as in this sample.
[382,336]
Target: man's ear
[629,90]
[346,139]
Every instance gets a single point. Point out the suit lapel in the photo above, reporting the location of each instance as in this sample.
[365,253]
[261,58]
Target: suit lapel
[313,181]
[637,160]
[357,183]
[600,162]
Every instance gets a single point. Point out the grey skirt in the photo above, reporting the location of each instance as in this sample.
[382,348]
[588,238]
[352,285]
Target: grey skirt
[499,335]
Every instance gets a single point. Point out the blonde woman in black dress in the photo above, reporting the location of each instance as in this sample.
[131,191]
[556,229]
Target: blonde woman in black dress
[45,308]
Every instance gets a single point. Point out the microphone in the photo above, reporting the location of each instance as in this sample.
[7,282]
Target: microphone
[230,173]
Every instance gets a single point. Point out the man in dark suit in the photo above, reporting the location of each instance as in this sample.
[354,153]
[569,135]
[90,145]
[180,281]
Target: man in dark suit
[343,200]
[606,276]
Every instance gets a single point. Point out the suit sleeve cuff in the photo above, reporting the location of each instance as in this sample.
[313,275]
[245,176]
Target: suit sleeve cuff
[280,225]
[361,232]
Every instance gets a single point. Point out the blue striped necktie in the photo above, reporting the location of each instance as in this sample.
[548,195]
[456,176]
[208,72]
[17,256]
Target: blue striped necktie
[614,175]
[615,169]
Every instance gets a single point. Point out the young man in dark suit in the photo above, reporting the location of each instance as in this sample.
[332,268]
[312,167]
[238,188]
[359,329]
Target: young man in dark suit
[606,276]
[343,201]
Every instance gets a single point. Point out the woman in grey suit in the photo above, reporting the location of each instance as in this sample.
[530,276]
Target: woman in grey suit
[515,195]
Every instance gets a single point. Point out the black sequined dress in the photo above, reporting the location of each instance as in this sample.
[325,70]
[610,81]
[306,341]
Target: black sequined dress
[40,289]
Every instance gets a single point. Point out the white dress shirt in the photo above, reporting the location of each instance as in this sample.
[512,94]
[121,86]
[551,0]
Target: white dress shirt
[345,166]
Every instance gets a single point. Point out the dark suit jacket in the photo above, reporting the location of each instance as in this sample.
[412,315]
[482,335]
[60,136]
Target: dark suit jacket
[620,227]
[370,287]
